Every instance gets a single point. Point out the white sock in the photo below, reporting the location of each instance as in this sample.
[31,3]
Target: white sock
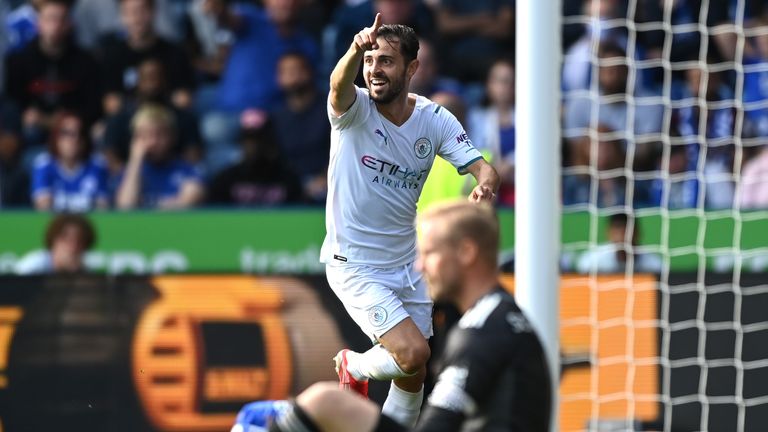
[376,363]
[403,406]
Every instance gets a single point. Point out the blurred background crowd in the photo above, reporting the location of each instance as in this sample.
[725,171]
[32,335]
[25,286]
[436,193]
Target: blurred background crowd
[172,104]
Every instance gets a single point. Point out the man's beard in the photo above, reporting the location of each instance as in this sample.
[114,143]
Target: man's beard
[395,88]
[445,291]
[298,90]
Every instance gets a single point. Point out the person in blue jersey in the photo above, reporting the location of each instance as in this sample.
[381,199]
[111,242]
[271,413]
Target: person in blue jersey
[67,177]
[154,177]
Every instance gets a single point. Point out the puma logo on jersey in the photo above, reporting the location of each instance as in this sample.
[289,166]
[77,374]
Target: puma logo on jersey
[381,134]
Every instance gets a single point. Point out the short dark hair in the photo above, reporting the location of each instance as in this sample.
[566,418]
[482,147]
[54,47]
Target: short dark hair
[409,42]
[59,223]
[301,56]
[618,219]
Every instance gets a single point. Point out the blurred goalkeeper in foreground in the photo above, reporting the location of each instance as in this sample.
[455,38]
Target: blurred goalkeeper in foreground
[493,374]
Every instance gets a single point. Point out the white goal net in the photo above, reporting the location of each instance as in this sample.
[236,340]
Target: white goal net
[665,186]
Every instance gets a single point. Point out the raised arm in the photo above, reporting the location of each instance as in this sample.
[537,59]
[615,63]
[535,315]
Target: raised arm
[487,181]
[129,191]
[342,94]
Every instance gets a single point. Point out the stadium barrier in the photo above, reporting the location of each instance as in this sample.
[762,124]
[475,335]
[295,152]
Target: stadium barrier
[183,353]
[288,241]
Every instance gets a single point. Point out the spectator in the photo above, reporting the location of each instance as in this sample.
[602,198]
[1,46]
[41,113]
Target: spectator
[755,95]
[262,36]
[727,14]
[351,17]
[577,63]
[610,179]
[306,148]
[679,186]
[719,132]
[620,253]
[473,33]
[756,85]
[428,80]
[682,13]
[122,53]
[261,178]
[14,178]
[754,182]
[642,130]
[68,178]
[703,95]
[52,73]
[67,239]
[572,31]
[21,25]
[151,87]
[95,18]
[492,125]
[153,176]
[206,42]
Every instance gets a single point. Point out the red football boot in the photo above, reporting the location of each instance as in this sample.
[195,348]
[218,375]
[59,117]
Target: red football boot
[346,380]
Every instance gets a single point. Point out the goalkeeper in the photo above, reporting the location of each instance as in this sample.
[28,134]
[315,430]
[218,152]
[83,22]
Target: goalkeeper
[494,375]
[383,143]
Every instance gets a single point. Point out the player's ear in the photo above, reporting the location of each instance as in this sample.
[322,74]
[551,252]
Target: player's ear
[468,251]
[412,67]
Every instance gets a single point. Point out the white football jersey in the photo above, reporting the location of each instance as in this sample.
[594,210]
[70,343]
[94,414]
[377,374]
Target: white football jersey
[375,176]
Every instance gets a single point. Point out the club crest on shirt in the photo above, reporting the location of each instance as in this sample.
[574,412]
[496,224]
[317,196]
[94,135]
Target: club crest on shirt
[422,147]
[377,315]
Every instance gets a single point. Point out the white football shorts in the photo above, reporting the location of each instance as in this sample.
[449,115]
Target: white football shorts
[377,299]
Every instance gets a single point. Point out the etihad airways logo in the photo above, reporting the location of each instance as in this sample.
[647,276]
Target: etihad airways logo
[392,169]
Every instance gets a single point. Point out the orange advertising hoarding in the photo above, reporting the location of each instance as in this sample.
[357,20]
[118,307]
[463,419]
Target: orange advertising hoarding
[609,336]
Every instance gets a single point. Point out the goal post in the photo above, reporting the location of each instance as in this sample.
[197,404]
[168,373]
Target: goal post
[537,174]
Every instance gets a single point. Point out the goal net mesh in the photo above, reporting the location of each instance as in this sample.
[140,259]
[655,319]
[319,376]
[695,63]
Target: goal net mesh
[665,121]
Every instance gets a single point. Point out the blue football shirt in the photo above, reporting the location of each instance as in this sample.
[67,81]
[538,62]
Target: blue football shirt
[161,181]
[72,191]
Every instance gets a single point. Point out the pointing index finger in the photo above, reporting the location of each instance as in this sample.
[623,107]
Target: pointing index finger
[377,22]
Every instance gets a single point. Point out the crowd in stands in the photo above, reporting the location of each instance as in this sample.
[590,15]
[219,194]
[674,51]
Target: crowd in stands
[173,104]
